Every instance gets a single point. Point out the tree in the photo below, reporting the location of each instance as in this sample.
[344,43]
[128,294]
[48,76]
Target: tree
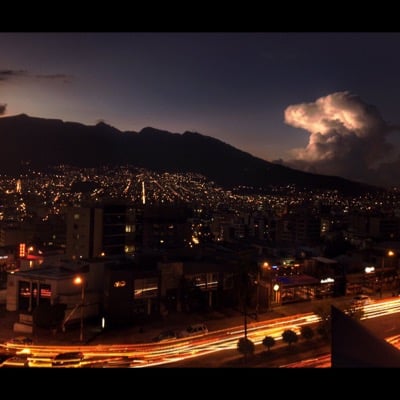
[58,313]
[289,337]
[245,346]
[247,269]
[42,316]
[306,332]
[324,313]
[49,316]
[269,342]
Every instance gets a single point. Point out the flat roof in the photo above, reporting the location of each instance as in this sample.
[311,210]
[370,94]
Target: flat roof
[48,273]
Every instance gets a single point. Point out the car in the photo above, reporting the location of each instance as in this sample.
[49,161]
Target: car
[360,300]
[17,341]
[68,359]
[39,361]
[165,335]
[194,330]
[24,340]
[16,361]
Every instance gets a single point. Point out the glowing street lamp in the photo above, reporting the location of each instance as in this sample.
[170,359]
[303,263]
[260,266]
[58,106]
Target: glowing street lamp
[80,281]
[390,253]
[276,289]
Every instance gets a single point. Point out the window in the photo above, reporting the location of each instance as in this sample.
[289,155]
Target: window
[129,228]
[45,291]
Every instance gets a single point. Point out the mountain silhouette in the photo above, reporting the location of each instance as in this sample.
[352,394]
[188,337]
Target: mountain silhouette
[47,142]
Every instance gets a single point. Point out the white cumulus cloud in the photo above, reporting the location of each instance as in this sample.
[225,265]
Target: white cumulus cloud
[348,137]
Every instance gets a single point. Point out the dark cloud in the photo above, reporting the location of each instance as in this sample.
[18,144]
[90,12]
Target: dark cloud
[10,73]
[3,108]
[348,137]
[6,74]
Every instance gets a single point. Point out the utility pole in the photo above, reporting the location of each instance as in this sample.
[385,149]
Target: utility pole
[82,305]
[80,281]
[245,318]
[258,294]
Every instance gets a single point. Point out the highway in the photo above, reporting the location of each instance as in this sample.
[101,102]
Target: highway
[168,352]
[374,310]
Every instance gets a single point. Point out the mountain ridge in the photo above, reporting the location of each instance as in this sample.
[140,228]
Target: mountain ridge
[48,142]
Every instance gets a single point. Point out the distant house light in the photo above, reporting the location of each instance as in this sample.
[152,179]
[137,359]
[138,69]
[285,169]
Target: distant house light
[119,283]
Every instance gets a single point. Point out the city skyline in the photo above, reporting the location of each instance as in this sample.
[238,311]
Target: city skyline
[321,102]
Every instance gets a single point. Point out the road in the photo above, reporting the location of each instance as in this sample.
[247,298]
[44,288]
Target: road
[380,318]
[214,343]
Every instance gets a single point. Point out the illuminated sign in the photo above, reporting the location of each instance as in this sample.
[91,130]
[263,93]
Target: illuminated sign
[22,249]
[327,280]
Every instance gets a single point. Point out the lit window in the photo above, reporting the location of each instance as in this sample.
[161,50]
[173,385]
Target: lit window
[129,249]
[129,228]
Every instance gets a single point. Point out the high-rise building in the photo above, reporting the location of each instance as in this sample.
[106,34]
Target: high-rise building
[166,227]
[99,231]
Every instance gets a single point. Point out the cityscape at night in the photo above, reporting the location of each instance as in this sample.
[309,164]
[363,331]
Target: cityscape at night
[237,243]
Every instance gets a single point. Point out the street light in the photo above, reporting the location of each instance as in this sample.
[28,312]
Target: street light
[261,274]
[80,281]
[276,289]
[390,253]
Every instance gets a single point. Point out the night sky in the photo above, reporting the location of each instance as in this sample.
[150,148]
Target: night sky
[322,102]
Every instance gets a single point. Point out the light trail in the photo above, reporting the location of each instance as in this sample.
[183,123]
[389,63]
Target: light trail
[152,354]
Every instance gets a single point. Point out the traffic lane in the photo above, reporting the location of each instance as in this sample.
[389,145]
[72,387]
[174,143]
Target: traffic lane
[383,326]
